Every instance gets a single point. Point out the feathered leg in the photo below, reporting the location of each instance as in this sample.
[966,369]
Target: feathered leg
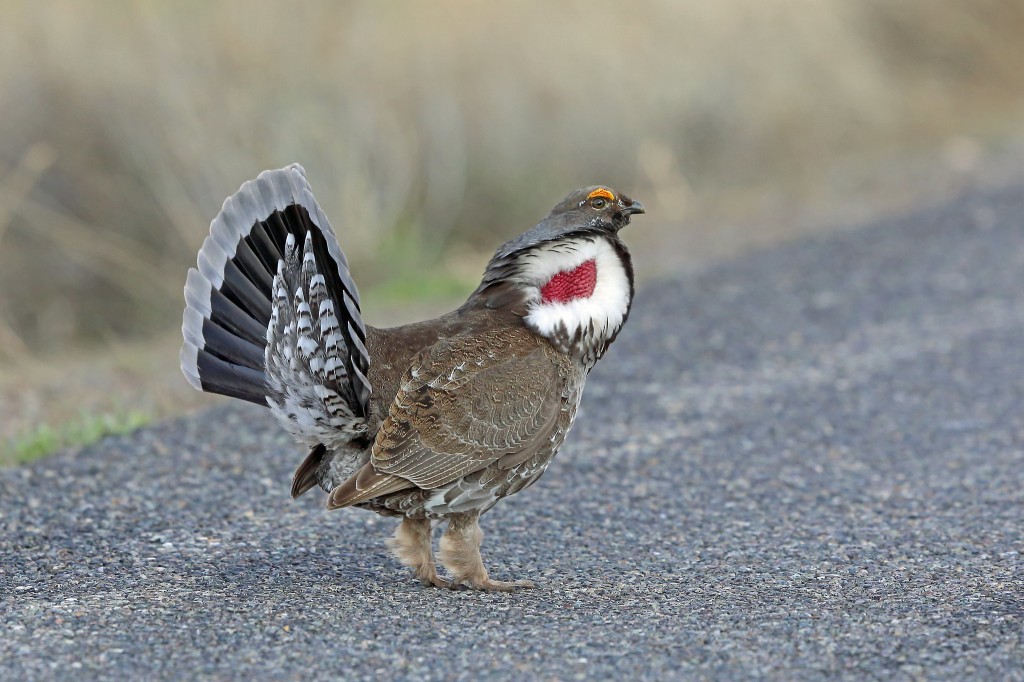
[460,554]
[412,546]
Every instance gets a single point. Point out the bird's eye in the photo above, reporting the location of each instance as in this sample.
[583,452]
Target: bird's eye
[598,203]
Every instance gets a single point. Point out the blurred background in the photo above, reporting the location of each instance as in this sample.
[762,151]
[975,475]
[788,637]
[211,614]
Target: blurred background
[431,132]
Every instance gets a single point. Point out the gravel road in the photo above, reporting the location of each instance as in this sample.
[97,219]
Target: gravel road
[807,463]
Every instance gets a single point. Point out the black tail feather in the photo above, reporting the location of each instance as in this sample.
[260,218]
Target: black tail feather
[231,348]
[252,266]
[231,317]
[264,246]
[306,476]
[246,295]
[226,378]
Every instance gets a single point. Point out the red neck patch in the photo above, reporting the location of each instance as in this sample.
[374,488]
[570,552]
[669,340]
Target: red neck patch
[569,285]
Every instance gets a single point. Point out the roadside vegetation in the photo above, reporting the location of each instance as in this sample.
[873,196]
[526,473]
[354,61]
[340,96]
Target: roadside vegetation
[42,439]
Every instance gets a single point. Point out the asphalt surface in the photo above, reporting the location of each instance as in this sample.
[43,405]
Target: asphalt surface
[804,464]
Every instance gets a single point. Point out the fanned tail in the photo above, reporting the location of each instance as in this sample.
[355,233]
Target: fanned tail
[272,314]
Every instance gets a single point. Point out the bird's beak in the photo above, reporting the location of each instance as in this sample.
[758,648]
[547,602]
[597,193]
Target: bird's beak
[630,207]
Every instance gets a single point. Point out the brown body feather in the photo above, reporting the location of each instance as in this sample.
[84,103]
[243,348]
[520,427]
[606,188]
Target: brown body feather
[486,398]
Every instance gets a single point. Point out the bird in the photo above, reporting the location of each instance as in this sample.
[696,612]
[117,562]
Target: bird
[430,422]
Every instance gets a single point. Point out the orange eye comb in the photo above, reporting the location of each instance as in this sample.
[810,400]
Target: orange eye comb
[603,193]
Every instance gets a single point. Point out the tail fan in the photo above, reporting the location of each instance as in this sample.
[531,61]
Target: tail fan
[272,313]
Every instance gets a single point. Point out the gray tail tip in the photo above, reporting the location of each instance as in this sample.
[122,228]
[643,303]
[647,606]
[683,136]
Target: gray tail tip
[289,169]
[189,356]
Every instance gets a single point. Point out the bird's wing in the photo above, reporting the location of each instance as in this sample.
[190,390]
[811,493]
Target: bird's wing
[272,313]
[464,404]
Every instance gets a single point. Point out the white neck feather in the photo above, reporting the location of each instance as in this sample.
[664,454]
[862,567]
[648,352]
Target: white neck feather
[587,323]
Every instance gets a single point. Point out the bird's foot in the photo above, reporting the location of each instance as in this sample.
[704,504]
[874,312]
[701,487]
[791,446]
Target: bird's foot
[428,576]
[436,581]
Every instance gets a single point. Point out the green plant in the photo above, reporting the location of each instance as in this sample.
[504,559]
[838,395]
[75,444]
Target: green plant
[87,429]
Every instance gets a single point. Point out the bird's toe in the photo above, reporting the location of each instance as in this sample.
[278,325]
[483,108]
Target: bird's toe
[502,585]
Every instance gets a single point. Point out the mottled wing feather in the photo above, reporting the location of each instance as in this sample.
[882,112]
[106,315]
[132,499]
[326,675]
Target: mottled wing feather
[365,484]
[466,404]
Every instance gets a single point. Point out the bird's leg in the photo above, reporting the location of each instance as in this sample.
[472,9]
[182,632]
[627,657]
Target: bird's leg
[460,554]
[412,546]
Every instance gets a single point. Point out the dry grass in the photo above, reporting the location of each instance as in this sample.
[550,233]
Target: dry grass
[429,130]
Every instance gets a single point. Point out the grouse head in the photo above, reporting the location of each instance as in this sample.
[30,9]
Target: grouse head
[570,277]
